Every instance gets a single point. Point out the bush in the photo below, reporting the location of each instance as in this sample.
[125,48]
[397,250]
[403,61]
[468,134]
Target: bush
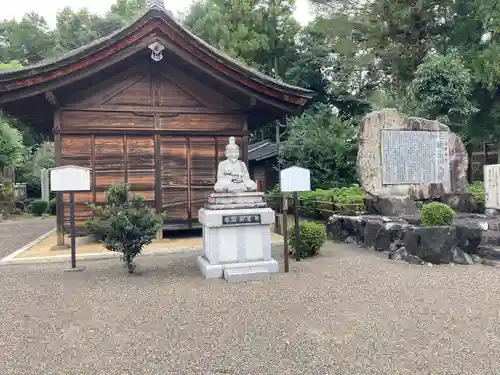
[436,214]
[312,237]
[39,207]
[52,206]
[339,199]
[476,190]
[124,225]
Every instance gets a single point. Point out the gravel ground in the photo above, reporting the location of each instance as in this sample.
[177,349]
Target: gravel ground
[15,234]
[348,312]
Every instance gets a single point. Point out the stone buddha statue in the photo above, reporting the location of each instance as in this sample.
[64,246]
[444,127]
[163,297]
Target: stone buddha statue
[232,174]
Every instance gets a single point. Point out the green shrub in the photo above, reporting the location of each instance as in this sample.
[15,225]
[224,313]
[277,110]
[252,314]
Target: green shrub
[476,190]
[312,237]
[39,207]
[436,214]
[340,198]
[52,206]
[310,201]
[125,225]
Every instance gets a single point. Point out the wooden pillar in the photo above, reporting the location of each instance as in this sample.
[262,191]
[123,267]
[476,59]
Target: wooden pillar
[244,142]
[59,195]
[158,182]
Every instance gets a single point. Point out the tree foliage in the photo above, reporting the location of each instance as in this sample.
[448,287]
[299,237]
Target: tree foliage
[11,144]
[441,89]
[325,144]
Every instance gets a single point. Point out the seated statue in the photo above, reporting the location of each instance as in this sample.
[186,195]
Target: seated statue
[232,174]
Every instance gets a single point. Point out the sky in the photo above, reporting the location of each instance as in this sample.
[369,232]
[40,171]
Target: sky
[12,9]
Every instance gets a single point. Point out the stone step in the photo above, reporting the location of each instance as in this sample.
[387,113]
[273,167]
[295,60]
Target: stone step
[242,274]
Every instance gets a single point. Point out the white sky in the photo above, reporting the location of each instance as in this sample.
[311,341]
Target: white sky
[48,8]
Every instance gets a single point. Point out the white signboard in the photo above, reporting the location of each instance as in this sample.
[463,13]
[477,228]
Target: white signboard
[492,186]
[70,178]
[295,179]
[415,157]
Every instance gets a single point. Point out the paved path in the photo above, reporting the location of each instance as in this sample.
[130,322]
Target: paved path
[15,234]
[347,312]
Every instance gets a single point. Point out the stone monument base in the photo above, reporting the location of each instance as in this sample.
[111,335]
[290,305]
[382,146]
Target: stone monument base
[391,206]
[236,237]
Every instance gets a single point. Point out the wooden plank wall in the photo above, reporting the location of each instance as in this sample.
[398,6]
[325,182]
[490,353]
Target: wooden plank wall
[168,155]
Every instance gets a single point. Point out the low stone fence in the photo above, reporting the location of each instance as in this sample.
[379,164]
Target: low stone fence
[471,239]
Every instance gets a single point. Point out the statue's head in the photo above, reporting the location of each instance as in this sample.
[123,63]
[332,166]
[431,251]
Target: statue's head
[232,151]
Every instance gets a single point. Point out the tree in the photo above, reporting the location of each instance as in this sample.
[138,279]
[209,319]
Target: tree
[30,171]
[325,144]
[11,144]
[441,90]
[27,41]
[124,225]
[260,32]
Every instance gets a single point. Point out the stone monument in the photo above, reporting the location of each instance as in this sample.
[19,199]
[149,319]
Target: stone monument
[492,189]
[403,159]
[236,225]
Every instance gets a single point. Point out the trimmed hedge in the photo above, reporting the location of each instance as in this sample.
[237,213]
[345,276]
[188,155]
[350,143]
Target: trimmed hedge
[39,207]
[436,214]
[312,237]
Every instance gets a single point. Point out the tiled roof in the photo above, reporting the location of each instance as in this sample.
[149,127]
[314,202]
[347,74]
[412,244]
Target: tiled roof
[262,150]
[154,7]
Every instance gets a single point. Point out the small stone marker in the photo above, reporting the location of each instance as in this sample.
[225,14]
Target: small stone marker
[44,180]
[492,187]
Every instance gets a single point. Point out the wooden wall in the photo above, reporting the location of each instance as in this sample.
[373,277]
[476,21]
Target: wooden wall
[154,134]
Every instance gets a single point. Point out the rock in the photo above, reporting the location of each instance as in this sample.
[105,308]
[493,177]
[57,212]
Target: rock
[476,259]
[335,230]
[399,254]
[469,236]
[431,244]
[461,202]
[369,159]
[392,206]
[350,240]
[488,252]
[412,259]
[460,257]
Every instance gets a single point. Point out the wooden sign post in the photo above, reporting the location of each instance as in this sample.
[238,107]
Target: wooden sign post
[294,180]
[69,179]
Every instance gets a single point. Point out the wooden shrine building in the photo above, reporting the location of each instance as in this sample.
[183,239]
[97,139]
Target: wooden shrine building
[152,105]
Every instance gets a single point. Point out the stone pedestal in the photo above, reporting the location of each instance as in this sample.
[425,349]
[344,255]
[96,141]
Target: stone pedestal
[236,237]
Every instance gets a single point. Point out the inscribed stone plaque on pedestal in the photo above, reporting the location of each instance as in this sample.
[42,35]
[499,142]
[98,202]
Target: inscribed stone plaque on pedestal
[492,186]
[414,157]
[409,157]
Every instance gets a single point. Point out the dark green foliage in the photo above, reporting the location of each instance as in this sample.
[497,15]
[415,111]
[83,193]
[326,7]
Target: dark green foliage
[124,225]
[312,237]
[441,89]
[39,207]
[436,214]
[52,206]
[323,143]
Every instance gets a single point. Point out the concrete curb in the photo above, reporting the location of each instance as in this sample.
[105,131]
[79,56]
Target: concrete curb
[62,258]
[27,247]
